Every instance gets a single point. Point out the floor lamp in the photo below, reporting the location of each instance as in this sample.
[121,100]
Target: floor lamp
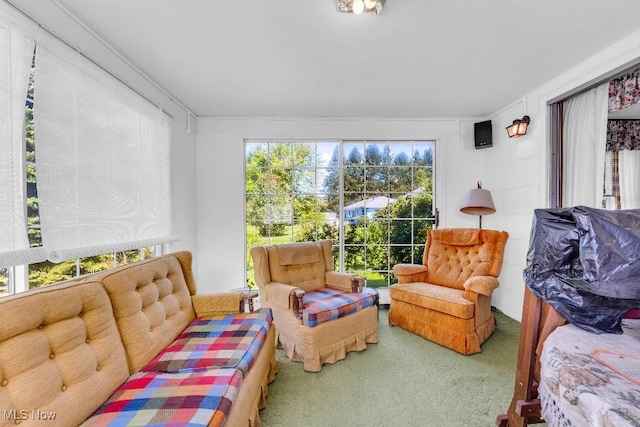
[478,201]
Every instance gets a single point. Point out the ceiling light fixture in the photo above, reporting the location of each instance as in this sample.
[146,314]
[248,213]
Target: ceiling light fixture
[358,6]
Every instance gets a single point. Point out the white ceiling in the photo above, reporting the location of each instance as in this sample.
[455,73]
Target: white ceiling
[419,58]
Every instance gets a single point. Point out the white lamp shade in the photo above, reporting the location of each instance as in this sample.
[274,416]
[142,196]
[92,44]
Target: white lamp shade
[478,201]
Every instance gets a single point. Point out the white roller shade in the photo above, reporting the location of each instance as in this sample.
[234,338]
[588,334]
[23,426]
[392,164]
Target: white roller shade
[102,157]
[16,53]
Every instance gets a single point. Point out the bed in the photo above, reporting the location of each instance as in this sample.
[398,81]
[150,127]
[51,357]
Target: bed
[591,380]
[583,266]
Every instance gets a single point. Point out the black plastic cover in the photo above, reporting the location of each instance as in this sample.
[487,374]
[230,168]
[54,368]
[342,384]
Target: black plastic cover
[585,263]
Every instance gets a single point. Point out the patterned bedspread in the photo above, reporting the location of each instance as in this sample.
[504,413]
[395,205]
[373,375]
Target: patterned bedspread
[329,304]
[233,341]
[589,379]
[158,399]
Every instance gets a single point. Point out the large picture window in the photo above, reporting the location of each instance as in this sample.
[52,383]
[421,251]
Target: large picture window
[374,199]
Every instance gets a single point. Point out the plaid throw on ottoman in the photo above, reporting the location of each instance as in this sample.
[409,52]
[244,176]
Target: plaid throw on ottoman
[328,304]
[158,399]
[229,342]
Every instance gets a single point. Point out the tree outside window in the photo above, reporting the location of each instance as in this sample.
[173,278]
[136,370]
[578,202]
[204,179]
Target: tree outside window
[384,203]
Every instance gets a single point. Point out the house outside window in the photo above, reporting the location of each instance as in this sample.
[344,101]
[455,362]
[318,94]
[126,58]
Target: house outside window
[373,199]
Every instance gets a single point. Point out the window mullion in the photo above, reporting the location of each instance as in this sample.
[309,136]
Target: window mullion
[341,204]
[18,278]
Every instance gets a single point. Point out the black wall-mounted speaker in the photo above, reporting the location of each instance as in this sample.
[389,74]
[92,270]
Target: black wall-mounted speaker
[483,134]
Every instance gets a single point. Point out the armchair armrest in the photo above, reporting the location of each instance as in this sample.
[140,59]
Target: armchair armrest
[407,273]
[279,294]
[484,285]
[286,296]
[247,299]
[220,304]
[347,282]
[296,302]
[357,283]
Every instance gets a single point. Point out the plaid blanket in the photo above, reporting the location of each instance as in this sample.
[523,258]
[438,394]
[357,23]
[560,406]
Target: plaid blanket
[229,342]
[328,304]
[158,399]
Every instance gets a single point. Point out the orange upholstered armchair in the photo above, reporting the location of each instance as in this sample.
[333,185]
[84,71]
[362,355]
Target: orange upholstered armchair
[320,314]
[447,298]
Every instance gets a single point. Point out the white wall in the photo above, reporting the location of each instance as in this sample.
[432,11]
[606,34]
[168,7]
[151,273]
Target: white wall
[220,165]
[516,171]
[207,164]
[183,188]
[519,169]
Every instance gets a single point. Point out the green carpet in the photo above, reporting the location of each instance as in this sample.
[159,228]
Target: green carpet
[404,380]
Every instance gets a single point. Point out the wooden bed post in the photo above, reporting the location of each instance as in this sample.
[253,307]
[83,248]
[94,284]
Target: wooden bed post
[539,319]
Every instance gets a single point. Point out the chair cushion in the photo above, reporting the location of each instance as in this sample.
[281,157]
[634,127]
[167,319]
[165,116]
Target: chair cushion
[232,341]
[155,399]
[328,304]
[454,255]
[458,236]
[298,253]
[302,265]
[439,298]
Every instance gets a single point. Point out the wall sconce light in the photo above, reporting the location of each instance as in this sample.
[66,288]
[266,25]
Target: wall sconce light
[358,6]
[519,127]
[479,202]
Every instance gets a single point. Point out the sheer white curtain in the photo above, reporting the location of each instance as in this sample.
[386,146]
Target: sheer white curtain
[16,53]
[609,197]
[629,172]
[102,159]
[584,141]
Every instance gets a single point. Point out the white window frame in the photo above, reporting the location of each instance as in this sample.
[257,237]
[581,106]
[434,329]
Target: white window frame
[415,240]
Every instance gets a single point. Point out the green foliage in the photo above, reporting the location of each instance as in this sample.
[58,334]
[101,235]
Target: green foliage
[4,280]
[310,231]
[253,239]
[33,211]
[274,174]
[282,193]
[46,273]
[371,169]
[406,236]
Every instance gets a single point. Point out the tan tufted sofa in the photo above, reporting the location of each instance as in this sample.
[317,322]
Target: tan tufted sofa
[447,298]
[65,348]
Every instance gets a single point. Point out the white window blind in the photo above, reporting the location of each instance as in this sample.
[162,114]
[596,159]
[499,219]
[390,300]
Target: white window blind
[16,54]
[102,157]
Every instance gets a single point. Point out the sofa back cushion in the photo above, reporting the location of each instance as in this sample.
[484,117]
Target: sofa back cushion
[300,264]
[60,353]
[151,303]
[455,254]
